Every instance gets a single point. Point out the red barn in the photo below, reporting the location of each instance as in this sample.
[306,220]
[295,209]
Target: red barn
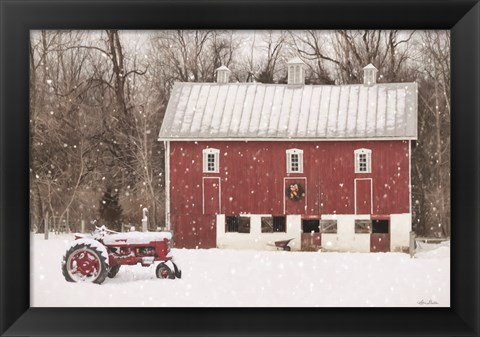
[248,164]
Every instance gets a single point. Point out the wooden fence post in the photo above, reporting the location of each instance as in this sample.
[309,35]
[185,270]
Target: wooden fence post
[411,247]
[145,220]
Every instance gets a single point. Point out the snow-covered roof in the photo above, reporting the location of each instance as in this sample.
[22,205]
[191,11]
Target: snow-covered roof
[222,68]
[237,111]
[295,60]
[369,66]
[136,237]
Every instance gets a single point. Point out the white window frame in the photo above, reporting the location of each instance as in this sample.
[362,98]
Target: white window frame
[216,160]
[368,154]
[289,155]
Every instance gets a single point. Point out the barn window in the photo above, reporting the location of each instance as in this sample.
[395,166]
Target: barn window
[275,224]
[237,224]
[294,161]
[328,226]
[363,161]
[363,226]
[211,160]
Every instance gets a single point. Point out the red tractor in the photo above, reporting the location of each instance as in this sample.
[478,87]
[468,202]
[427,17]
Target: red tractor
[91,258]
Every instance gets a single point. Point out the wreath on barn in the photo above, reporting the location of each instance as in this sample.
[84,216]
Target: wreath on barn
[295,192]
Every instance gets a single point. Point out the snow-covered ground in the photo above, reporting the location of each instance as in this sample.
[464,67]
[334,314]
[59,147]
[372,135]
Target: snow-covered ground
[215,277]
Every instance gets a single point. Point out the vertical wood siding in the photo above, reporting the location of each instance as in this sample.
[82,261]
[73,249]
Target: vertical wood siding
[253,177]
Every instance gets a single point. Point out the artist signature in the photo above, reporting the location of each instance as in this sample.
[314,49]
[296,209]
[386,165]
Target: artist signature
[429,302]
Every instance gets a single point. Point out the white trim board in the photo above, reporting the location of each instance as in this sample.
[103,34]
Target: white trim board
[355,193]
[410,177]
[214,139]
[283,193]
[167,185]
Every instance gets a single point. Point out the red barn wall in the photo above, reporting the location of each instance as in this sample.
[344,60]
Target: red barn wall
[252,176]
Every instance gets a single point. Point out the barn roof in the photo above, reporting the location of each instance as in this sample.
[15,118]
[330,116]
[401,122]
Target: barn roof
[237,111]
[296,60]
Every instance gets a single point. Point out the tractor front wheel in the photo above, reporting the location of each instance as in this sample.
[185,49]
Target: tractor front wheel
[84,263]
[113,271]
[178,272]
[164,272]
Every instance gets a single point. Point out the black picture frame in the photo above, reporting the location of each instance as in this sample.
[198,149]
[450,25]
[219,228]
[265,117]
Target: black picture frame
[17,17]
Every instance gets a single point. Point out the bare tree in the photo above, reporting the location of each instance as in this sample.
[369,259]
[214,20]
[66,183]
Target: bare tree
[348,51]
[313,46]
[272,50]
[183,54]
[54,108]
[431,156]
[97,100]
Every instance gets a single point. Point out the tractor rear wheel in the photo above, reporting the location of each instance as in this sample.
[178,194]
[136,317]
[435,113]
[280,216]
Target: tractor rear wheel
[163,271]
[84,263]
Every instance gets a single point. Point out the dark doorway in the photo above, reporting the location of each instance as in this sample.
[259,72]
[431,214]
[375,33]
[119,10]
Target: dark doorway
[309,226]
[380,226]
[311,237]
[380,237]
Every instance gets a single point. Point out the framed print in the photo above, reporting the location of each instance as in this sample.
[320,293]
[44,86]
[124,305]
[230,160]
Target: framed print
[231,179]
